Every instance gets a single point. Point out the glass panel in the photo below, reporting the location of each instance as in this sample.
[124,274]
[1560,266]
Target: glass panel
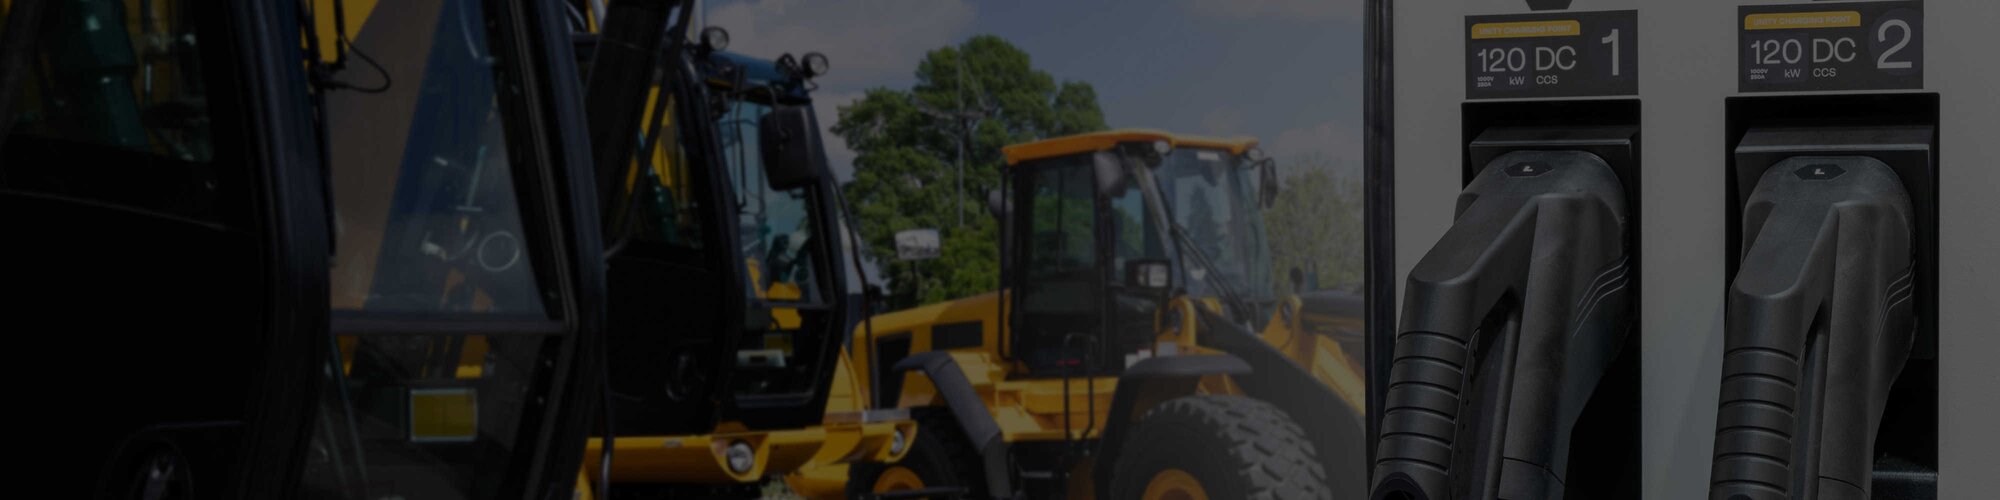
[1135,233]
[428,223]
[776,226]
[1214,199]
[1060,281]
[425,207]
[423,416]
[666,208]
[1061,253]
[116,104]
[780,250]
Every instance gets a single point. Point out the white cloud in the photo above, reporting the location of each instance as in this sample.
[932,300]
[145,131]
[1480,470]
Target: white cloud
[867,42]
[1338,142]
[1298,10]
[826,105]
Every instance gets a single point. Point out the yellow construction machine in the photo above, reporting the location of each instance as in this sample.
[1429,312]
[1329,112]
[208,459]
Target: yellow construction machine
[1138,347]
[322,249]
[732,285]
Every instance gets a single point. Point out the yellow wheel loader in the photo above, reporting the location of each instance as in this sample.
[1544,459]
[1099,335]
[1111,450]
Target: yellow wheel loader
[1138,347]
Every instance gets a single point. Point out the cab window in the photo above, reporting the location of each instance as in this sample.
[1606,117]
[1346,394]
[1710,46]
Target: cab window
[442,314]
[1062,256]
[781,255]
[115,109]
[775,225]
[1061,275]
[660,192]
[1136,235]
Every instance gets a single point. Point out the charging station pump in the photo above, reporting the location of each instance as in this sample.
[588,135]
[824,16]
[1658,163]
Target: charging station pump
[1820,314]
[1508,324]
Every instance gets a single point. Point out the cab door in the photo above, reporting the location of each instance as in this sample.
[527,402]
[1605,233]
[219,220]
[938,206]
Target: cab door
[1059,270]
[164,246]
[465,277]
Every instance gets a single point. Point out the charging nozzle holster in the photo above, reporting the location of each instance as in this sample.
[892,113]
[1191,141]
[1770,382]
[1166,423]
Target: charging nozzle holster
[1819,323]
[1508,323]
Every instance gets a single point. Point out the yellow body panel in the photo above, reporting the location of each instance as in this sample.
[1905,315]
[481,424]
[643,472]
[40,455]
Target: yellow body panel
[786,318]
[813,459]
[583,491]
[1099,141]
[1032,409]
[700,458]
[450,414]
[357,15]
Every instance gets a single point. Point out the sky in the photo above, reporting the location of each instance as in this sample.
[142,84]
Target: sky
[1288,72]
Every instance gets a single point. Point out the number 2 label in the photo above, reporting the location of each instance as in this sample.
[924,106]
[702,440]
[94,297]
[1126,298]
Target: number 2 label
[1882,35]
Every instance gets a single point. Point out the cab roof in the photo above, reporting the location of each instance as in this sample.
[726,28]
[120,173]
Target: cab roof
[719,67]
[1098,141]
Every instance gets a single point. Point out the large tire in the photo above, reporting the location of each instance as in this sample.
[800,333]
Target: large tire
[1233,447]
[940,456]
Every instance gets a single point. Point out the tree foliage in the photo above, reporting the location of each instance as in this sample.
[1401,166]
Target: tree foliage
[1316,225]
[906,144]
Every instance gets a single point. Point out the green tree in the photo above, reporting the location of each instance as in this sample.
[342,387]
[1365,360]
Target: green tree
[1316,224]
[906,144]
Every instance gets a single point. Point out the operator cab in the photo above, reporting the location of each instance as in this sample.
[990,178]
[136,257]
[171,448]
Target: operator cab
[724,281]
[1116,227]
[782,227]
[316,249]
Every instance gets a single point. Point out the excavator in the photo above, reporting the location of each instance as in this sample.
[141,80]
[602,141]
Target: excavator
[732,282]
[1138,346]
[399,219]
[301,249]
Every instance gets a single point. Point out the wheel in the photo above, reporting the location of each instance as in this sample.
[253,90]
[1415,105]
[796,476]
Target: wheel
[940,456]
[1221,447]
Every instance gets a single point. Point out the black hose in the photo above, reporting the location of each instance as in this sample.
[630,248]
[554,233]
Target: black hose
[608,421]
[342,46]
[337,366]
[867,288]
[622,224]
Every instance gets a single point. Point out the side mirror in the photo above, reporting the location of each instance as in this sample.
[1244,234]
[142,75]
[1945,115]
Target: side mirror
[998,205]
[1153,275]
[1111,174]
[1267,182]
[789,141]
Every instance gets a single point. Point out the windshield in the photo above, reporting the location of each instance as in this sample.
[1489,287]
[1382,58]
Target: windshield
[1213,197]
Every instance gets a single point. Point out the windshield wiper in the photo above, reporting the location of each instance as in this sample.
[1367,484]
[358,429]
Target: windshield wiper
[1222,284]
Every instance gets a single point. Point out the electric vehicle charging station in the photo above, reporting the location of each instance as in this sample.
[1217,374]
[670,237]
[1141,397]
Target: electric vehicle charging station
[1833,214]
[1512,373]
[1731,144]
